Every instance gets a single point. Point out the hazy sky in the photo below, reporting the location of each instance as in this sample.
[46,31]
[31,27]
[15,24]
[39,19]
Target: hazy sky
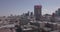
[18,7]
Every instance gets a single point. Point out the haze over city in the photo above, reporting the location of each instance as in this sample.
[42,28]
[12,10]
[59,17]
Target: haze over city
[18,7]
[29,15]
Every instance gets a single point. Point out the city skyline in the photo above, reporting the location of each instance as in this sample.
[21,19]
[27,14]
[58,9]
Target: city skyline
[18,7]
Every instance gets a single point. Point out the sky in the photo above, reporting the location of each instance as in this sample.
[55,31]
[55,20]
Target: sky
[18,7]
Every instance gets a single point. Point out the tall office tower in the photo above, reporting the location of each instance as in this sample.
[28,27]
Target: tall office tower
[37,12]
[58,11]
[31,14]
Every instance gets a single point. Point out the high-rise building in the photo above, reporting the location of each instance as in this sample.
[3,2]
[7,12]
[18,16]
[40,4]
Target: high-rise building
[31,14]
[37,12]
[58,12]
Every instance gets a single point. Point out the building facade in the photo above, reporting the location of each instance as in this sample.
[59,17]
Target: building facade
[58,12]
[37,12]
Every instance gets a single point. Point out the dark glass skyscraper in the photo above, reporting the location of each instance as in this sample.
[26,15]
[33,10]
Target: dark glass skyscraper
[58,12]
[37,12]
